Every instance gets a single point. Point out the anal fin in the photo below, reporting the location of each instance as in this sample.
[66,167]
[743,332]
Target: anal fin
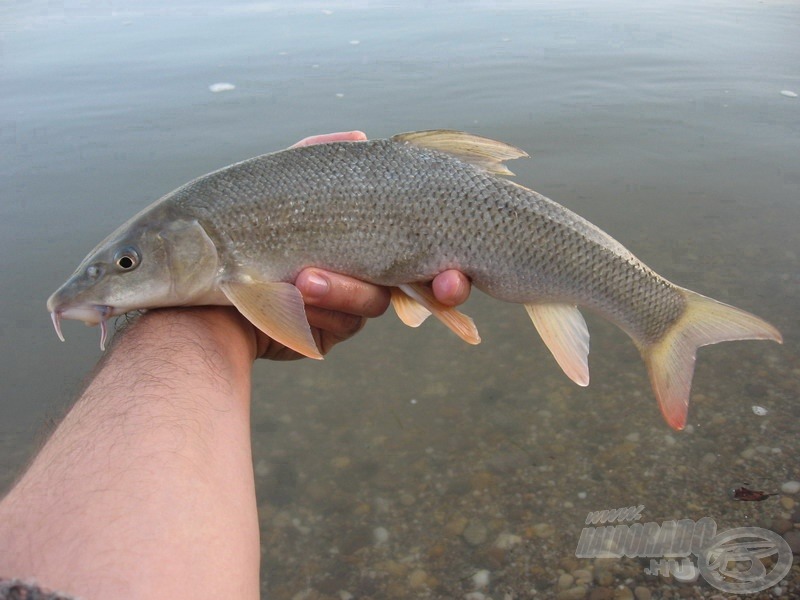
[408,310]
[565,334]
[459,323]
[277,309]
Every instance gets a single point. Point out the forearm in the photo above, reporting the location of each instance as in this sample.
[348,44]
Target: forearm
[146,488]
[157,448]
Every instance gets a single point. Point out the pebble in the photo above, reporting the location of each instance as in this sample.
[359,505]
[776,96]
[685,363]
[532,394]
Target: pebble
[565,581]
[709,458]
[787,503]
[576,593]
[380,535]
[623,593]
[793,539]
[436,551]
[544,530]
[475,533]
[568,563]
[418,579]
[781,525]
[642,593]
[392,567]
[603,577]
[582,576]
[602,593]
[456,525]
[791,487]
[262,468]
[760,411]
[507,540]
[632,437]
[361,537]
[481,579]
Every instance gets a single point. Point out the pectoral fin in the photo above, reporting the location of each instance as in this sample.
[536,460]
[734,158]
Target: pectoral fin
[277,309]
[459,323]
[408,310]
[564,332]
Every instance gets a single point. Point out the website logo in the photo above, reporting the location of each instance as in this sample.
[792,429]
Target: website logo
[732,561]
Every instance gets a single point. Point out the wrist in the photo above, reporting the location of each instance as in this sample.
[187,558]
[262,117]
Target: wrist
[214,324]
[195,337]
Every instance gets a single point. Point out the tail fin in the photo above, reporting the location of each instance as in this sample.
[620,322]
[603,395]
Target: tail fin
[670,361]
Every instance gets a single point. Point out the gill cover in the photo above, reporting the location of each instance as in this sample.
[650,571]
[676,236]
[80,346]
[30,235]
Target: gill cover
[147,263]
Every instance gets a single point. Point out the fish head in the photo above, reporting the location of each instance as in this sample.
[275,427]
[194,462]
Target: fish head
[146,263]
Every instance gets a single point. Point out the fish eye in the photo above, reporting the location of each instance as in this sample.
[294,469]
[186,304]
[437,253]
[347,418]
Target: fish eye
[126,259]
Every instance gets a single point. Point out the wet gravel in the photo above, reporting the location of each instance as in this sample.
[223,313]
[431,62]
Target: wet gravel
[470,473]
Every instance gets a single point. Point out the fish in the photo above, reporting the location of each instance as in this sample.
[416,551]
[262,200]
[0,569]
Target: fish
[396,212]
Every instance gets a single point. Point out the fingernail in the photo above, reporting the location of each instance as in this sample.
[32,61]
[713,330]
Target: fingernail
[316,285]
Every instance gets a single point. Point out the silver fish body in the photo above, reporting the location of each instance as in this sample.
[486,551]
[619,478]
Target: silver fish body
[396,212]
[392,213]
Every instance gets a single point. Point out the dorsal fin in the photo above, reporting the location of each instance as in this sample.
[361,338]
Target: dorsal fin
[479,151]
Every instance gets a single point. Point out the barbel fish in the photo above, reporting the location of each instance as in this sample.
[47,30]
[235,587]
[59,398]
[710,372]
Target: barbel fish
[396,212]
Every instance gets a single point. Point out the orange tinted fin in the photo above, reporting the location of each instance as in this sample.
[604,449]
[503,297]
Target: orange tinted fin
[670,361]
[277,309]
[480,151]
[564,332]
[457,322]
[410,312]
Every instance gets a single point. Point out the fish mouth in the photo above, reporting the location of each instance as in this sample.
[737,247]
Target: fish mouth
[91,314]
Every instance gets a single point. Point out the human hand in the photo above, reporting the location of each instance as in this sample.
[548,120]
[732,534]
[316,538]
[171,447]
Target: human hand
[338,306]
[327,138]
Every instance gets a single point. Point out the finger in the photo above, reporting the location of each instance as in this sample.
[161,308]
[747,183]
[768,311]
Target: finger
[328,328]
[341,325]
[331,327]
[327,138]
[451,288]
[341,293]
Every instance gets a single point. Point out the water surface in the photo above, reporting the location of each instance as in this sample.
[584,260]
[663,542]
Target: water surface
[663,124]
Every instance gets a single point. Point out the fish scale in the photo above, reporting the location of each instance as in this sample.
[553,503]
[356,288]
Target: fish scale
[396,212]
[477,236]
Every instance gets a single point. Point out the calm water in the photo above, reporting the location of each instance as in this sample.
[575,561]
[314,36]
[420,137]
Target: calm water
[663,124]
